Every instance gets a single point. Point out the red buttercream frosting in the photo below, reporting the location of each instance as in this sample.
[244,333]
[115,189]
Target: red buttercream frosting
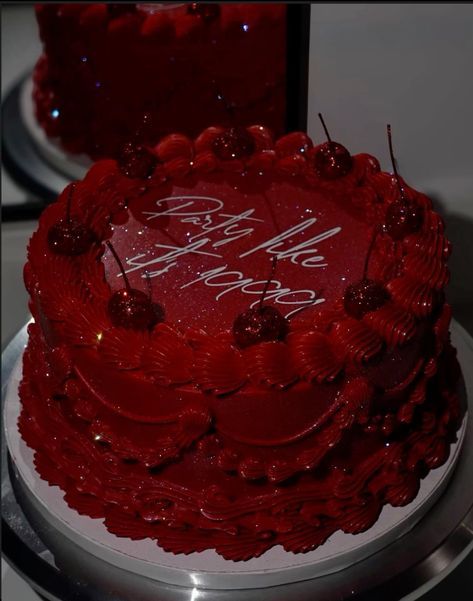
[112,74]
[177,433]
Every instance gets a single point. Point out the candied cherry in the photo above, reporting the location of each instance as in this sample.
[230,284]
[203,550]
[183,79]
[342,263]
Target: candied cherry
[364,296]
[367,294]
[69,236]
[235,143]
[136,161]
[262,323]
[131,308]
[331,160]
[403,216]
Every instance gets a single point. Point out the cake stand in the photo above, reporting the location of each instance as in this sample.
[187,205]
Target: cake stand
[59,568]
[21,155]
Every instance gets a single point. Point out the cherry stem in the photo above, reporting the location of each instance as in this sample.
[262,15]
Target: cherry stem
[393,161]
[119,263]
[325,128]
[72,189]
[268,281]
[370,250]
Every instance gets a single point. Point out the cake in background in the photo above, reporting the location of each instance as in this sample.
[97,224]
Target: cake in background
[112,74]
[239,342]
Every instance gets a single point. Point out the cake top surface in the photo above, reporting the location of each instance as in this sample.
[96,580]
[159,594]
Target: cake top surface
[210,254]
[205,249]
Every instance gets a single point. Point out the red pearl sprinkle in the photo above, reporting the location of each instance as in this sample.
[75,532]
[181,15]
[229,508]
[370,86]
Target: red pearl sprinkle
[402,218]
[131,308]
[136,161]
[332,160]
[70,237]
[260,324]
[208,12]
[364,296]
[235,143]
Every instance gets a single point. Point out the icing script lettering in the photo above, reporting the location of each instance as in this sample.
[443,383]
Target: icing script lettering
[299,250]
[212,228]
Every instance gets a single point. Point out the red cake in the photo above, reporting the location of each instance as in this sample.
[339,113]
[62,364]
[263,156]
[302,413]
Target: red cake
[115,73]
[238,342]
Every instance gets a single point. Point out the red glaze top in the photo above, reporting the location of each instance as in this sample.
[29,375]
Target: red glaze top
[111,74]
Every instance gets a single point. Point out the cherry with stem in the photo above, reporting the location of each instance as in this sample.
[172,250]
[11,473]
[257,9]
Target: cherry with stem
[129,307]
[367,294]
[263,323]
[403,217]
[69,236]
[331,160]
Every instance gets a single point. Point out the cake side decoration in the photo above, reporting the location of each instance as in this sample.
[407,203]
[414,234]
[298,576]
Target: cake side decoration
[184,433]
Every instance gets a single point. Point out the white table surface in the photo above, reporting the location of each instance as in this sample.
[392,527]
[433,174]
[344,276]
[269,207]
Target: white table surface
[369,64]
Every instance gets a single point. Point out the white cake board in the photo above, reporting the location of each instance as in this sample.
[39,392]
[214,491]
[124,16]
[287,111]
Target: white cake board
[73,166]
[208,569]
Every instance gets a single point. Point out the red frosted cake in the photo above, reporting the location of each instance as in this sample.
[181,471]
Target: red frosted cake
[115,73]
[238,342]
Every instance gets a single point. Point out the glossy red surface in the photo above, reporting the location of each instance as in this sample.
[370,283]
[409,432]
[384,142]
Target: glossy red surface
[178,433]
[211,241]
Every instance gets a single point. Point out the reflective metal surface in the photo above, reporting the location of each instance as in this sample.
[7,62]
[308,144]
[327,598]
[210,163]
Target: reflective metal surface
[59,569]
[23,161]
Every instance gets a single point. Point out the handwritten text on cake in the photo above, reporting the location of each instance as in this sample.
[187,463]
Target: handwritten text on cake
[207,215]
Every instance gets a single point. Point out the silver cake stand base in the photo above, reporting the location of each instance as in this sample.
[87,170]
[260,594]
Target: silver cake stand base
[21,154]
[58,569]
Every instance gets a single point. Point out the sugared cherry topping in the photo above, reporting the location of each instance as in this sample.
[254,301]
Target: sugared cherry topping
[235,143]
[331,160]
[69,236]
[364,296]
[131,308]
[136,161]
[403,217]
[262,323]
[205,10]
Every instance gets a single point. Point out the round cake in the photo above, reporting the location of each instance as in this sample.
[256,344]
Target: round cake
[238,342]
[115,73]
